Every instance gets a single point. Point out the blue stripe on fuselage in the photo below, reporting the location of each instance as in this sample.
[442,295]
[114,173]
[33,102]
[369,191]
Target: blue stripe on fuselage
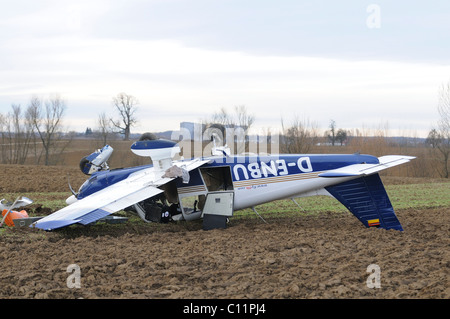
[256,167]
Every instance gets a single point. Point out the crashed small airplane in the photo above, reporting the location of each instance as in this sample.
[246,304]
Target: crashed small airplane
[214,187]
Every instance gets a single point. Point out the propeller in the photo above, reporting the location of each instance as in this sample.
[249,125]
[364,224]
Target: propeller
[70,187]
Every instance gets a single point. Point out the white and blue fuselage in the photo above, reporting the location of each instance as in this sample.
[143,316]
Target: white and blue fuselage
[255,180]
[221,184]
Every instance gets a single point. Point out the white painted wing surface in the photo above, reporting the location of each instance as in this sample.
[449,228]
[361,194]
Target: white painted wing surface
[137,187]
[368,169]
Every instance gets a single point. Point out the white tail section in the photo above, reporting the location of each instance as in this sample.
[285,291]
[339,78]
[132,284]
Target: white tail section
[160,151]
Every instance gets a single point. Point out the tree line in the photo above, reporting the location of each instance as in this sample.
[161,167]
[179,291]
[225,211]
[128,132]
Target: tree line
[37,130]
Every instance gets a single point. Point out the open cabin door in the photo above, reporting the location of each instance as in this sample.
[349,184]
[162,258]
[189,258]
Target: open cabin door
[219,200]
[214,198]
[217,179]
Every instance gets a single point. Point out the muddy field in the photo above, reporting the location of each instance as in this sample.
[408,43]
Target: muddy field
[324,256]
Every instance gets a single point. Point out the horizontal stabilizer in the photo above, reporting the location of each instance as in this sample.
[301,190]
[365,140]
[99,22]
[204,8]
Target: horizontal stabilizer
[366,198]
[368,169]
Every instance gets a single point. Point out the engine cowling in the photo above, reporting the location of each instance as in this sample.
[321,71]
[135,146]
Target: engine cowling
[96,161]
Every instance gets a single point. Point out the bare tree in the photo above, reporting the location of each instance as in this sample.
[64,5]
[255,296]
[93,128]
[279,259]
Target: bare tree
[332,132]
[236,126]
[16,133]
[126,106]
[442,139]
[104,126]
[341,136]
[433,139]
[240,118]
[4,139]
[222,117]
[244,119]
[299,137]
[47,121]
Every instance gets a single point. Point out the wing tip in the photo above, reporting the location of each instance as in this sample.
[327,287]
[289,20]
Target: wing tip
[53,224]
[395,158]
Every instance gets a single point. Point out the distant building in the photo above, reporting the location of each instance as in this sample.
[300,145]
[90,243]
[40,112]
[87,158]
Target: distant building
[195,130]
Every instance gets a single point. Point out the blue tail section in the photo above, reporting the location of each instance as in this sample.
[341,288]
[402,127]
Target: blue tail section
[367,199]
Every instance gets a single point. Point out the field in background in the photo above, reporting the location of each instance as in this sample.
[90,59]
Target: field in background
[426,164]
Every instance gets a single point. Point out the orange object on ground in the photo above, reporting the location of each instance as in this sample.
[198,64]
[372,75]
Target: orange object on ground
[13,215]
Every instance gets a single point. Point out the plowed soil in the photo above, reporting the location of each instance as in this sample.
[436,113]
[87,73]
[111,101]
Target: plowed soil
[325,256]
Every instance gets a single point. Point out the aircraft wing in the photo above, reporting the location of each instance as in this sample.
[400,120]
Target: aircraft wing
[368,169]
[137,187]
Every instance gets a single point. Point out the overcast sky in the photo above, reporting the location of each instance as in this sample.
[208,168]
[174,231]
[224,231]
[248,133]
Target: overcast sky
[360,63]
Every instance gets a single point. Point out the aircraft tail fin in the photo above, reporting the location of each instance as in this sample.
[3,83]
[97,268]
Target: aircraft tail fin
[366,198]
